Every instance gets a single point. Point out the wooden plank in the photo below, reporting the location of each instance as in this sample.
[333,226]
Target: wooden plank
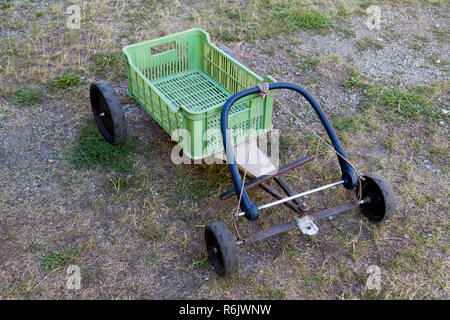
[249,156]
[257,181]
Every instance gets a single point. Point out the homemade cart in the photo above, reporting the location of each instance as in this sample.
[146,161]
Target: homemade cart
[199,94]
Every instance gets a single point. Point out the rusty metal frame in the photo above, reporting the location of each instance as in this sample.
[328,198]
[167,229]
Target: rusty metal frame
[257,181]
[277,229]
[293,204]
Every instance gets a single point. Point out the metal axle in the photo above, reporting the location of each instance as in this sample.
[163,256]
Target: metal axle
[271,204]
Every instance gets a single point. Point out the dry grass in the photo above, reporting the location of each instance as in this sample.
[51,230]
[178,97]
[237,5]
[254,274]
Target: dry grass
[137,233]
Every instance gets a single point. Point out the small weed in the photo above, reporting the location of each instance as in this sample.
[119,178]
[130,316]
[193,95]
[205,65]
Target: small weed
[296,42]
[346,32]
[29,97]
[416,46]
[368,43]
[419,202]
[118,183]
[403,261]
[372,294]
[342,9]
[276,294]
[150,231]
[28,284]
[89,275]
[354,80]
[200,262]
[391,143]
[103,62]
[68,79]
[350,123]
[57,258]
[153,257]
[309,63]
[287,143]
[439,154]
[269,51]
[441,34]
[412,256]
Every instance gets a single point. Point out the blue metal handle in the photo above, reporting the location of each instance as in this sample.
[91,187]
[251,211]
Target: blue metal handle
[251,210]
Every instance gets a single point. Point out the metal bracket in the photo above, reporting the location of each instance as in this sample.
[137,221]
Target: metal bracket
[306,225]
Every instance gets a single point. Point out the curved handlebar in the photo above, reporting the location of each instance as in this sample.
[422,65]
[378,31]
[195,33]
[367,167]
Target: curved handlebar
[250,209]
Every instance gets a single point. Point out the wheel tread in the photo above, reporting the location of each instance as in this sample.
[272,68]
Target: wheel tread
[115,108]
[388,198]
[227,247]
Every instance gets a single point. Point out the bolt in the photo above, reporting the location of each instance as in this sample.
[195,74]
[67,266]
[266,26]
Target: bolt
[304,207]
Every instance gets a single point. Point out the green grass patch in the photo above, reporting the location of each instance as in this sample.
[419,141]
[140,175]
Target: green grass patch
[6,5]
[420,203]
[198,185]
[412,103]
[29,97]
[262,19]
[57,258]
[103,61]
[367,3]
[354,80]
[309,19]
[315,144]
[420,101]
[416,46]
[92,151]
[351,123]
[68,79]
[295,16]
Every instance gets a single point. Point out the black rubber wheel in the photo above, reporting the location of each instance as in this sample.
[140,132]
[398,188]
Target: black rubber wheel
[108,112]
[229,52]
[221,248]
[381,203]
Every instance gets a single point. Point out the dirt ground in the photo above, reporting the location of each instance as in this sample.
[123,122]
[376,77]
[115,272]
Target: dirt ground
[133,221]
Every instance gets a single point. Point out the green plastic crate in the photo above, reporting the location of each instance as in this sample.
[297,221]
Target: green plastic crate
[183,81]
